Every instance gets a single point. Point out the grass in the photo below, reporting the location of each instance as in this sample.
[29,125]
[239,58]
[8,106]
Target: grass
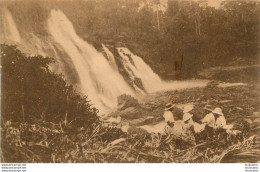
[57,143]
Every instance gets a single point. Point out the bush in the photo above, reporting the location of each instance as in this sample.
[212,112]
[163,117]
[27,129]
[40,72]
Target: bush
[32,93]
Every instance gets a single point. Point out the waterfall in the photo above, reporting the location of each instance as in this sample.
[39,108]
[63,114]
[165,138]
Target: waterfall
[9,29]
[137,68]
[110,58]
[96,75]
[98,79]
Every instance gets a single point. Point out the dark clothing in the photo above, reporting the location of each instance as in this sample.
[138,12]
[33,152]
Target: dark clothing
[209,130]
[205,135]
[177,113]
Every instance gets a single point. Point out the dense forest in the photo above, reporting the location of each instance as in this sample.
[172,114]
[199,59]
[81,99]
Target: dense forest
[204,36]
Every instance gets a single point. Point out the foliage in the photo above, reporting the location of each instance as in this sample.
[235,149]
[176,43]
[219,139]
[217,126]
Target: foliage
[203,35]
[32,93]
[44,144]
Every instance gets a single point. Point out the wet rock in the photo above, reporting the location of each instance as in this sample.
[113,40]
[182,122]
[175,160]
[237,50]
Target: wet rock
[125,101]
[112,114]
[151,120]
[132,130]
[131,113]
[150,106]
[114,120]
[138,82]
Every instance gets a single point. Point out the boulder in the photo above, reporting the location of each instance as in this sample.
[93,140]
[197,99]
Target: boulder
[131,113]
[138,82]
[134,131]
[128,113]
[125,101]
[113,120]
[128,110]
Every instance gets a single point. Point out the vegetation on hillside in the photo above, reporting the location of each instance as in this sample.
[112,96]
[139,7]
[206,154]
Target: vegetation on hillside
[32,93]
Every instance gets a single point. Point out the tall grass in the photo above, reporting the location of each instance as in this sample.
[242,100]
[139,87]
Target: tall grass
[35,143]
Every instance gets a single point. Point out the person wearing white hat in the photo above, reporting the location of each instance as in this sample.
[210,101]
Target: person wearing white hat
[182,129]
[208,108]
[209,120]
[220,125]
[168,115]
[221,120]
[187,117]
[188,127]
[187,108]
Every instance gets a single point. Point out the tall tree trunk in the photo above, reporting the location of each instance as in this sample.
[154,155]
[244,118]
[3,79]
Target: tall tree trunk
[199,24]
[158,19]
[23,113]
[196,27]
[66,114]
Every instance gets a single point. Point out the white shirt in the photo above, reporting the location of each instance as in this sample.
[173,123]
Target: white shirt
[168,116]
[209,120]
[221,122]
[198,127]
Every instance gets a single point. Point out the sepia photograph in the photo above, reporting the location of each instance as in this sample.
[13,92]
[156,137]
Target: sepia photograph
[130,81]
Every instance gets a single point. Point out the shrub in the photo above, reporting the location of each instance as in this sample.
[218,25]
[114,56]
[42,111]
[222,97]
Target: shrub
[32,93]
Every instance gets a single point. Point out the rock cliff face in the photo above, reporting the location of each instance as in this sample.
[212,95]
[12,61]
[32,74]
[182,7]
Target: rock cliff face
[128,108]
[125,101]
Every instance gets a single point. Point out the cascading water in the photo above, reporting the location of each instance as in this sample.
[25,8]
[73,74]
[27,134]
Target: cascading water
[110,58]
[137,68]
[31,44]
[96,75]
[98,79]
[140,69]
[9,31]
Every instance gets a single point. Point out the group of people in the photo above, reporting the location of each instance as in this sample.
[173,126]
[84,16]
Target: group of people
[186,128]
